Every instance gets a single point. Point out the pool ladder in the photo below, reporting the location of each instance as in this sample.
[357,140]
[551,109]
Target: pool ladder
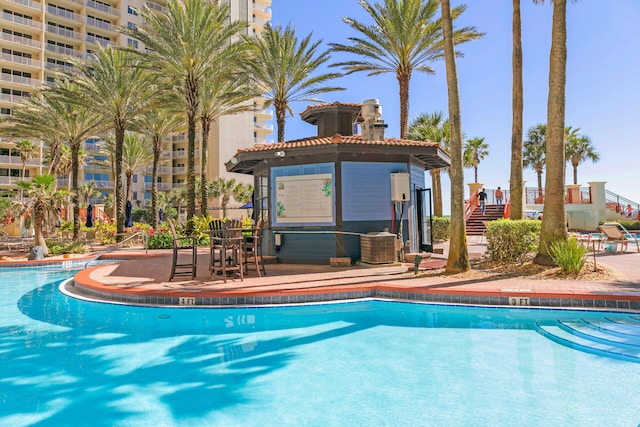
[119,244]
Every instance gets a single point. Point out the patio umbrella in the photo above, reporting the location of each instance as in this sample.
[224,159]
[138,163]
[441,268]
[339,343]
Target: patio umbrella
[248,205]
[128,222]
[89,223]
[160,214]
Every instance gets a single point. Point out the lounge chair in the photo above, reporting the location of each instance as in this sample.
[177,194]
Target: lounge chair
[615,235]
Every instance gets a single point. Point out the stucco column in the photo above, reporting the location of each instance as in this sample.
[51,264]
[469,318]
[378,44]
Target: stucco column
[474,186]
[598,198]
[573,191]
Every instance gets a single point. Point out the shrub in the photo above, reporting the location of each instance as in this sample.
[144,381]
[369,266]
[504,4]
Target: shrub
[106,232]
[441,228]
[141,215]
[511,240]
[568,255]
[160,240]
[58,248]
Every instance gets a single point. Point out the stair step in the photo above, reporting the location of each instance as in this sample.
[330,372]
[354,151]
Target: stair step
[621,329]
[585,330]
[561,336]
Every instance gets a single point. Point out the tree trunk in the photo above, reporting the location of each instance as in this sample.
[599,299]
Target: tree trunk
[436,187]
[119,196]
[204,199]
[575,173]
[458,259]
[38,227]
[281,111]
[404,77]
[75,151]
[515,183]
[157,151]
[128,193]
[193,101]
[554,224]
[475,173]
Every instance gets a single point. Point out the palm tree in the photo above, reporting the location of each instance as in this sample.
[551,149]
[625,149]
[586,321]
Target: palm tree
[187,43]
[458,259]
[137,154]
[27,150]
[434,128]
[225,188]
[534,153]
[516,181]
[405,38]
[283,68]
[43,202]
[227,93]
[114,83]
[50,113]
[475,150]
[157,124]
[554,224]
[88,190]
[578,149]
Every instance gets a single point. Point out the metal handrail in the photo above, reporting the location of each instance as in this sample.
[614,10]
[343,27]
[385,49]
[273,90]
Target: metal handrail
[118,244]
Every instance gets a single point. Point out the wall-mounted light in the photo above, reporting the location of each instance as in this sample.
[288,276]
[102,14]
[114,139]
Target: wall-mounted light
[234,160]
[280,153]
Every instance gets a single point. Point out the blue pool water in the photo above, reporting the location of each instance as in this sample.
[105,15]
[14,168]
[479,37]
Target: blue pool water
[65,362]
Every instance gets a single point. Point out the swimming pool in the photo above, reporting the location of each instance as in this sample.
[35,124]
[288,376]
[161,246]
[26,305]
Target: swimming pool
[65,362]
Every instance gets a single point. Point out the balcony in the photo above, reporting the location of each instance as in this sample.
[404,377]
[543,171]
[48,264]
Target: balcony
[104,184]
[9,180]
[101,24]
[20,60]
[11,98]
[15,160]
[164,186]
[22,21]
[102,8]
[156,7]
[28,3]
[64,32]
[63,50]
[58,67]
[23,41]
[161,170]
[18,79]
[64,14]
[96,40]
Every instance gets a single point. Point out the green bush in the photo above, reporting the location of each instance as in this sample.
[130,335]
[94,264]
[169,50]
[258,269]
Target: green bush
[58,248]
[160,240]
[511,240]
[568,255]
[143,215]
[441,227]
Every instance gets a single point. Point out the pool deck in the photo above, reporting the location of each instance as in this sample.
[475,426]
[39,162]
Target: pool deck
[143,279]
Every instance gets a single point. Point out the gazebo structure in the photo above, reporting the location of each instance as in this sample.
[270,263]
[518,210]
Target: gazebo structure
[320,195]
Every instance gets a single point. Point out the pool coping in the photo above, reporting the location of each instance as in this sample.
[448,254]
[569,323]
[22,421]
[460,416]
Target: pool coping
[84,285]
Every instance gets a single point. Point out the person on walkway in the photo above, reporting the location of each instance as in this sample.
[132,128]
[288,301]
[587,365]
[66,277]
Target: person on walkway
[482,198]
[499,197]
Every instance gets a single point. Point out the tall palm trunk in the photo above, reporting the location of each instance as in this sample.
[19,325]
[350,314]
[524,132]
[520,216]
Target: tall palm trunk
[458,259]
[75,158]
[119,196]
[204,199]
[515,183]
[575,172]
[154,185]
[436,187]
[403,80]
[39,213]
[192,109]
[554,222]
[281,111]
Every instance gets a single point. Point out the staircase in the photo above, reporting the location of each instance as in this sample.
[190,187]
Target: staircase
[475,227]
[617,338]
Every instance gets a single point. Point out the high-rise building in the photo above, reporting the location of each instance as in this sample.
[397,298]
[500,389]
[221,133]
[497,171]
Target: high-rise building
[38,37]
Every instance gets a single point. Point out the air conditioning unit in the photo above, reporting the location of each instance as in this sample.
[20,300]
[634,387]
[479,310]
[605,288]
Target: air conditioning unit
[400,188]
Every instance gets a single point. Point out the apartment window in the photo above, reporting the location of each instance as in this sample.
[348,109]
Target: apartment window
[132,11]
[5,110]
[17,34]
[135,195]
[132,43]
[148,178]
[64,27]
[135,178]
[132,25]
[51,79]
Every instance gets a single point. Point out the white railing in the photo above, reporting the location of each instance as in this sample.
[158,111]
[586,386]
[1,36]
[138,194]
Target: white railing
[64,32]
[159,185]
[29,3]
[11,98]
[20,60]
[63,13]
[63,50]
[17,79]
[103,42]
[100,24]
[102,7]
[22,21]
[21,40]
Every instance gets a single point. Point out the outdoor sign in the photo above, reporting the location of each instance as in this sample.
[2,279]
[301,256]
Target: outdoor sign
[304,199]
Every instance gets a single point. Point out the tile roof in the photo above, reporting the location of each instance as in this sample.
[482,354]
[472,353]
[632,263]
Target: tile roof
[336,139]
[315,106]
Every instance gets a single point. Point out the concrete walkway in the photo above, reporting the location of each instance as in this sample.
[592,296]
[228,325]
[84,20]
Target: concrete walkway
[144,280]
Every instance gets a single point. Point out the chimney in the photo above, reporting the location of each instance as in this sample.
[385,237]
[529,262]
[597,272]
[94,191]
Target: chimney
[372,126]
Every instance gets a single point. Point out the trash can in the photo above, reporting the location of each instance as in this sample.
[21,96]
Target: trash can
[378,248]
[36,253]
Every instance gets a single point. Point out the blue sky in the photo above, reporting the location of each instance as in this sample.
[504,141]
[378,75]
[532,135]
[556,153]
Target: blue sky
[602,95]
